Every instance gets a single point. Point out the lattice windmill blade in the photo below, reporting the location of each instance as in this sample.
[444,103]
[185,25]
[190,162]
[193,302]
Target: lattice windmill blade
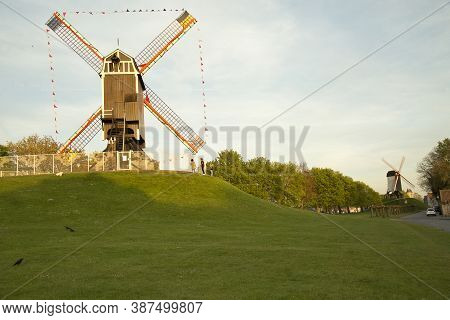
[409,182]
[396,182]
[72,38]
[84,134]
[401,164]
[172,121]
[164,41]
[389,165]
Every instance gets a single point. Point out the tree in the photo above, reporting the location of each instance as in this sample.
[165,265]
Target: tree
[331,191]
[365,196]
[258,171]
[311,198]
[328,187]
[434,169]
[3,151]
[350,192]
[229,166]
[291,184]
[33,144]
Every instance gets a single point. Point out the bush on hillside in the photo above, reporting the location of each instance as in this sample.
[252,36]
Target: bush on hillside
[294,185]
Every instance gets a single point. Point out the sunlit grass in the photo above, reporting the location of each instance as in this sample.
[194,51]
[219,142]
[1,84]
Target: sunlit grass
[202,239]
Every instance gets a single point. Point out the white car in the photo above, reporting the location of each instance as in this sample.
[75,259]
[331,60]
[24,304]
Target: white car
[431,212]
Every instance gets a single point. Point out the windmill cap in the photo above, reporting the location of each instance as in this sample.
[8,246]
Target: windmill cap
[391,173]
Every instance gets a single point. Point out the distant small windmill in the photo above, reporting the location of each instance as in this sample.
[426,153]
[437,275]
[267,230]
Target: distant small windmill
[394,180]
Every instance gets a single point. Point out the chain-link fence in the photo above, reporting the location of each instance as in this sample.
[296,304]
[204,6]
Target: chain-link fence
[76,162]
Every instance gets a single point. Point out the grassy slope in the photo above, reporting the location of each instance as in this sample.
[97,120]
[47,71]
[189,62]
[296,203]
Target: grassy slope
[413,205]
[204,239]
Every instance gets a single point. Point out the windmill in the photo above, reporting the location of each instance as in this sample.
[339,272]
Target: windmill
[394,180]
[124,93]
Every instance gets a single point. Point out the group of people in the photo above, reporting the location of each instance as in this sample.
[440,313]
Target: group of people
[202,166]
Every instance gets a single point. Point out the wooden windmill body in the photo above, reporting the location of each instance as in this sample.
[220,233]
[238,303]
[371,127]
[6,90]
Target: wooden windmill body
[123,103]
[124,93]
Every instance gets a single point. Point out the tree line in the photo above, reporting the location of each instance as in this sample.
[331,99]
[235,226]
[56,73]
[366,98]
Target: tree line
[434,169]
[287,184]
[322,189]
[30,145]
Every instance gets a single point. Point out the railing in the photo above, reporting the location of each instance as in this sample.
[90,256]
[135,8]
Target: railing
[391,210]
[76,162]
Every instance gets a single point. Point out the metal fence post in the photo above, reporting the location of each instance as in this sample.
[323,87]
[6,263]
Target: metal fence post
[88,161]
[34,165]
[53,163]
[17,165]
[71,164]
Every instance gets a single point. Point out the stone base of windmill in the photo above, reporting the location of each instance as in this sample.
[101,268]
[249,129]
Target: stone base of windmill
[76,162]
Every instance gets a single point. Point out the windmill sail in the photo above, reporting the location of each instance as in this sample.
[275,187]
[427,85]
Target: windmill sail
[172,121]
[164,41]
[76,41]
[389,165]
[84,134]
[409,182]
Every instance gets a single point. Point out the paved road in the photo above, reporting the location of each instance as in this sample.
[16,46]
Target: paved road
[431,221]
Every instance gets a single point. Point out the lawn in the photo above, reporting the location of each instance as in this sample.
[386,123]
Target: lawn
[175,236]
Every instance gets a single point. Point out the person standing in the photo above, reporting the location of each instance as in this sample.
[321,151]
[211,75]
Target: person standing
[193,165]
[202,165]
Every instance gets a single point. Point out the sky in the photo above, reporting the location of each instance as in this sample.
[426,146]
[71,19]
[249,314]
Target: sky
[261,57]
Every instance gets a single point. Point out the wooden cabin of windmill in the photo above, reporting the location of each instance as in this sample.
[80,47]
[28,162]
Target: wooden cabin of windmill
[123,106]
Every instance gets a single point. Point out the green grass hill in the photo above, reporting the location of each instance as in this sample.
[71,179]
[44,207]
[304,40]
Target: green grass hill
[410,204]
[182,236]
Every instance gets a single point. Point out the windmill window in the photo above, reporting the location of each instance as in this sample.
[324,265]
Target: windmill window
[132,97]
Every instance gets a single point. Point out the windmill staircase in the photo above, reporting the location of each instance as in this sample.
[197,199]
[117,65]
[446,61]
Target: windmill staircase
[117,133]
